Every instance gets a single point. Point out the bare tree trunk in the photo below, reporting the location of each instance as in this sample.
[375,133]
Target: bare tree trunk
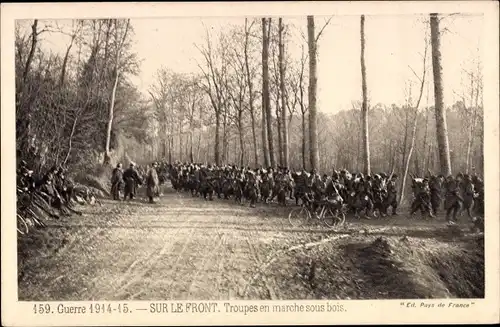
[217,138]
[313,80]
[250,94]
[424,160]
[107,153]
[65,62]
[198,147]
[441,127]
[191,154]
[472,128]
[364,107]
[224,138]
[304,163]
[264,114]
[266,30]
[283,94]
[34,40]
[278,124]
[70,141]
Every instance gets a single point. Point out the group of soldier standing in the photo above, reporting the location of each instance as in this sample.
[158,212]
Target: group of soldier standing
[131,178]
[371,194]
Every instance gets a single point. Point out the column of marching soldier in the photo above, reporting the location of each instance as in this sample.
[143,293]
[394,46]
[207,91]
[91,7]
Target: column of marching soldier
[372,195]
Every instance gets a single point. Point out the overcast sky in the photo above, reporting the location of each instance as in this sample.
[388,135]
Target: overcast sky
[393,44]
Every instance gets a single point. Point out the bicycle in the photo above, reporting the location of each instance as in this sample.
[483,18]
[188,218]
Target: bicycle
[330,216]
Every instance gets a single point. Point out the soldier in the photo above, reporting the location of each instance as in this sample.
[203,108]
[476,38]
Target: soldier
[63,186]
[25,180]
[132,180]
[435,183]
[453,200]
[301,188]
[392,192]
[421,192]
[252,188]
[468,194]
[479,195]
[152,183]
[116,181]
[48,190]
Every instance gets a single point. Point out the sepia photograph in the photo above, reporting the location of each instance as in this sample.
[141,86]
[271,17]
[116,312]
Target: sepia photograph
[250,157]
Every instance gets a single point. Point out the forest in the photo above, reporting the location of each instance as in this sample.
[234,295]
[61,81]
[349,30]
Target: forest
[251,103]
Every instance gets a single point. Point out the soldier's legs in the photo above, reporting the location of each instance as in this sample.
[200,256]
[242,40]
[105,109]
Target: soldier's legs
[415,205]
[448,214]
[435,203]
[253,198]
[394,206]
[427,206]
[456,209]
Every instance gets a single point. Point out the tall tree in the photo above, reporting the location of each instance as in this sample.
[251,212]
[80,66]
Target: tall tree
[250,91]
[214,77]
[283,93]
[364,106]
[440,114]
[266,102]
[313,85]
[120,40]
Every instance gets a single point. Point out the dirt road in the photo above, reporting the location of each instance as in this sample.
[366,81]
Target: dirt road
[179,248]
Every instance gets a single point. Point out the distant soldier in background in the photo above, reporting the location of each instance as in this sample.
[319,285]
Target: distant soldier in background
[152,182]
[132,180]
[116,181]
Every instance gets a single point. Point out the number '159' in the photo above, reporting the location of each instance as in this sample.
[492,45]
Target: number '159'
[41,308]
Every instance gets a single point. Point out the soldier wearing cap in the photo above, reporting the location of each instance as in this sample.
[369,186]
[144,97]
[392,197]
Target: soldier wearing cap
[116,181]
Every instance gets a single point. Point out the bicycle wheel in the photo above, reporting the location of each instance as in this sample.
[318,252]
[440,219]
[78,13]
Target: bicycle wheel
[298,216]
[333,218]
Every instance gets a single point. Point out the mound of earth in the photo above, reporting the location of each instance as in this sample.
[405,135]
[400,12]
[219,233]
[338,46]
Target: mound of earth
[370,267]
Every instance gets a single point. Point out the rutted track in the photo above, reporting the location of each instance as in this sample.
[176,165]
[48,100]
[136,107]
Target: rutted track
[181,247]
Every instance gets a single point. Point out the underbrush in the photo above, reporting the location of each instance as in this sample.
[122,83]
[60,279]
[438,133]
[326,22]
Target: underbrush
[97,178]
[40,242]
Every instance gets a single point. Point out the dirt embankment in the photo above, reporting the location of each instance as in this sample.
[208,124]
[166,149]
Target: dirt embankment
[371,267]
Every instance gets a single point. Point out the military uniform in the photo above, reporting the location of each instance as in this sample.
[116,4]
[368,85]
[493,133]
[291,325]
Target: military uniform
[116,182]
[468,195]
[152,183]
[453,200]
[435,186]
[132,180]
[422,198]
[478,196]
[392,194]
